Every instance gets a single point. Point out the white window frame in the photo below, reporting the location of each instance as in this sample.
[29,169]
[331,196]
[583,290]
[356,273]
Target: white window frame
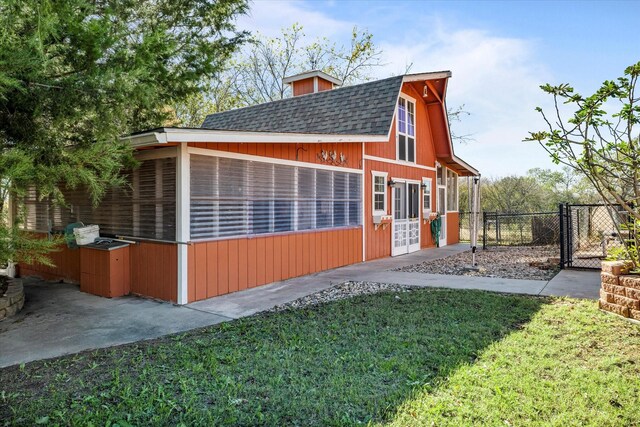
[408,100]
[456,189]
[384,176]
[427,184]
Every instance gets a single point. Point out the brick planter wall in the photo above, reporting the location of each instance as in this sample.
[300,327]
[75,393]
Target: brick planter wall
[620,291]
[13,300]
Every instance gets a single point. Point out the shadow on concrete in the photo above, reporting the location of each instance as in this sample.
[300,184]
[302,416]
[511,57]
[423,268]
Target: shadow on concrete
[58,319]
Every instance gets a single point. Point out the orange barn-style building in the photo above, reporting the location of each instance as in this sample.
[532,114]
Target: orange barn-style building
[326,178]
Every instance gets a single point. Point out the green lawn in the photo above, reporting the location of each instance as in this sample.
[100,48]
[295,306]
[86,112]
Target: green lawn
[425,357]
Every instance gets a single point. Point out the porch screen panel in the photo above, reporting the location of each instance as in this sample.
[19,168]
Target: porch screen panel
[234,198]
[144,207]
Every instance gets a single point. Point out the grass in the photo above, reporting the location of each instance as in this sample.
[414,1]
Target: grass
[428,356]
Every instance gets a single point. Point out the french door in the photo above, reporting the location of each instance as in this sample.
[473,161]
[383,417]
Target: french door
[406,218]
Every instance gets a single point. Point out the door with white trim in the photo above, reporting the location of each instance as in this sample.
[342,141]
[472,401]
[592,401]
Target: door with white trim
[406,218]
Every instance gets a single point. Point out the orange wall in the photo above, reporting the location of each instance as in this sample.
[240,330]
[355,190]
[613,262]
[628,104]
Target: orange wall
[105,273]
[453,227]
[66,266]
[301,152]
[324,85]
[302,87]
[425,151]
[154,270]
[378,243]
[224,266]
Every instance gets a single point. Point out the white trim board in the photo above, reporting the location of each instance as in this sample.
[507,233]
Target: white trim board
[363,207]
[398,162]
[168,135]
[230,155]
[183,220]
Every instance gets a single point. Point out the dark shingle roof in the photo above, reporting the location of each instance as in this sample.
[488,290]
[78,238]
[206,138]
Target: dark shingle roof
[364,109]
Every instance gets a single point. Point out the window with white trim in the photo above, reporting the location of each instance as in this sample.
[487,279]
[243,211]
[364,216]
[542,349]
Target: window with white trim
[379,193]
[426,196]
[406,130]
[452,190]
[235,198]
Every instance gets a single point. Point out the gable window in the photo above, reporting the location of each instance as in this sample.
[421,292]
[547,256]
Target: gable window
[426,196]
[406,130]
[379,193]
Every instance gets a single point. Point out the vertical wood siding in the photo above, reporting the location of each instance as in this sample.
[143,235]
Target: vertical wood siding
[105,273]
[425,149]
[324,85]
[307,153]
[302,87]
[154,270]
[453,228]
[225,266]
[378,242]
[66,266]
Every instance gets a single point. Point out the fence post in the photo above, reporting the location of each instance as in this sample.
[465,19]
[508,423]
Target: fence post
[484,230]
[562,248]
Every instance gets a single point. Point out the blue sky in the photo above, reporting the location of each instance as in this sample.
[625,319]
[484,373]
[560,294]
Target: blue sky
[498,51]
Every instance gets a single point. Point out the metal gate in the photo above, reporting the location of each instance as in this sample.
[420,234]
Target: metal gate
[587,232]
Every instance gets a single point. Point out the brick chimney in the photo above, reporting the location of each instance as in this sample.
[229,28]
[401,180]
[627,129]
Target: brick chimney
[311,82]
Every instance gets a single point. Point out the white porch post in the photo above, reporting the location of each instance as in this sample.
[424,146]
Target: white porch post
[183,207]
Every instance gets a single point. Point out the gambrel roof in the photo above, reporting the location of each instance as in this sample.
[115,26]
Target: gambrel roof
[351,114]
[364,109]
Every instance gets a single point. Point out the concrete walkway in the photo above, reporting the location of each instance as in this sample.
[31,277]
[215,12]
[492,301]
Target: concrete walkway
[58,319]
[571,283]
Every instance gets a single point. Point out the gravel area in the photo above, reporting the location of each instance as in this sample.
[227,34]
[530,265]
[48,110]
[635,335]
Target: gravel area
[533,263]
[342,291]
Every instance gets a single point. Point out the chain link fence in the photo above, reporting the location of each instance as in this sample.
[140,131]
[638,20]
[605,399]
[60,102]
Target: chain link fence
[513,229]
[590,232]
[585,234]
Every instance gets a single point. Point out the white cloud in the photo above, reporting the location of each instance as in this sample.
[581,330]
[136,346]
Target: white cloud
[269,17]
[497,78]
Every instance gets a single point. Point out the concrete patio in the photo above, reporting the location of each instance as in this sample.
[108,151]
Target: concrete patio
[58,319]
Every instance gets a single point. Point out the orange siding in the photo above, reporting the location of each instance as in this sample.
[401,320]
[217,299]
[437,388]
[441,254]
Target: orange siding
[66,266]
[267,259]
[378,242]
[425,149]
[307,153]
[151,270]
[302,87]
[154,270]
[105,273]
[324,85]
[453,225]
